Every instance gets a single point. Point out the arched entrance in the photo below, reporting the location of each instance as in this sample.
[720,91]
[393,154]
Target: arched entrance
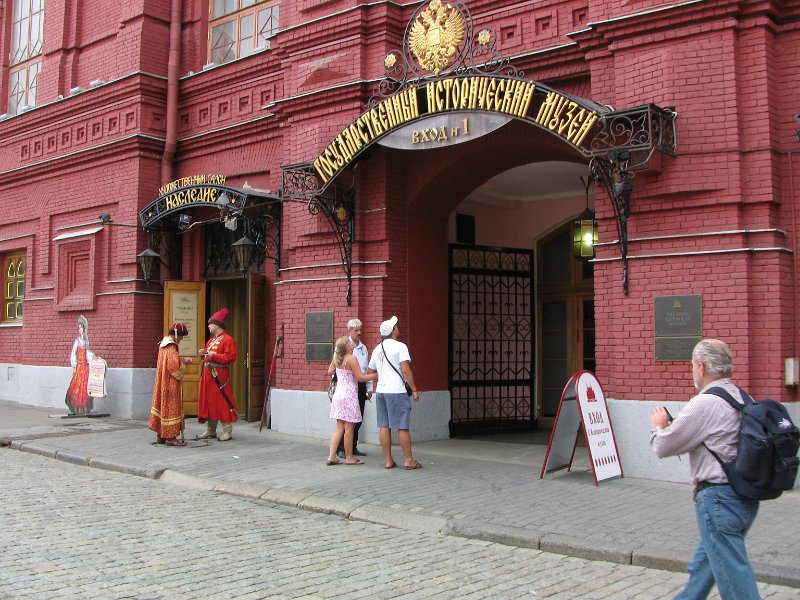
[513,309]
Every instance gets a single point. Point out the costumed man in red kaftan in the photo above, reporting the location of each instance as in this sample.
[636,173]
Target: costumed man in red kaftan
[166,414]
[216,402]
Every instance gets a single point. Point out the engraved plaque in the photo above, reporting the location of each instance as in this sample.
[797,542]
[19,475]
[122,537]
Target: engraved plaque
[319,336]
[679,315]
[676,348]
[678,326]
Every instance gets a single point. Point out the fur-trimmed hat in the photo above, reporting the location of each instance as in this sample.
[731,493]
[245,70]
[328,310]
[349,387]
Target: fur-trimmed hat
[218,318]
[178,330]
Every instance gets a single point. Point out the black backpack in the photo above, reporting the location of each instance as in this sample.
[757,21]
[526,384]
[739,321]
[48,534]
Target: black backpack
[766,463]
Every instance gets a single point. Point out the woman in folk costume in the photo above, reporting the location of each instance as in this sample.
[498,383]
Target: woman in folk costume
[166,414]
[216,402]
[78,399]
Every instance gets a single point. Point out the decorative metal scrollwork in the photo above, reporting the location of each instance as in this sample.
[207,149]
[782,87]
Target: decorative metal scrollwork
[301,184]
[339,207]
[644,128]
[168,246]
[614,174]
[262,229]
[439,40]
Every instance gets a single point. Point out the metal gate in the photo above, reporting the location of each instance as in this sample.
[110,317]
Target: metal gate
[491,339]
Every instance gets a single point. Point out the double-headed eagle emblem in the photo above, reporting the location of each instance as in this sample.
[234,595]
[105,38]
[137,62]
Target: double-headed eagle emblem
[435,36]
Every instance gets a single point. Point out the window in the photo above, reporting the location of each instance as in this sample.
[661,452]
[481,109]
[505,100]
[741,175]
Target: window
[14,269]
[27,30]
[239,27]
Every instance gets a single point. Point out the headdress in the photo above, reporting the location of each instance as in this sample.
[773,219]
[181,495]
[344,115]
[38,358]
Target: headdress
[179,329]
[218,318]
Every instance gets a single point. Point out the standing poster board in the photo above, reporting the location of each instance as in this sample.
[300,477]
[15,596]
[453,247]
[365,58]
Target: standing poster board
[96,386]
[583,406]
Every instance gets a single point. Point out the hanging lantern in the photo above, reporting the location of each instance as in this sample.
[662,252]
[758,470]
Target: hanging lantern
[584,235]
[244,248]
[584,228]
[148,261]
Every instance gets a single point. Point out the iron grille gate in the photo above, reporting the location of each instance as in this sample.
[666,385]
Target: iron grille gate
[491,339]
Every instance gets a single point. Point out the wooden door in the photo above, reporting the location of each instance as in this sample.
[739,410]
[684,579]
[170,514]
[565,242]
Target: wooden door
[256,349]
[185,301]
[565,315]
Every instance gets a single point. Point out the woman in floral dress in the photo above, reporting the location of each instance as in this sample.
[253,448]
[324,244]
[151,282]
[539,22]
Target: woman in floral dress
[77,398]
[344,404]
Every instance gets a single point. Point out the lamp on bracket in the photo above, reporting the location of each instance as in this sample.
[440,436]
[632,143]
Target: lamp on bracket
[584,228]
[148,259]
[244,248]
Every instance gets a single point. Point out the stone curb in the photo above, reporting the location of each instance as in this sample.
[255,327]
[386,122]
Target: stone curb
[331,506]
[499,534]
[110,465]
[404,519]
[284,497]
[768,573]
[34,448]
[245,490]
[399,518]
[71,457]
[192,482]
[578,548]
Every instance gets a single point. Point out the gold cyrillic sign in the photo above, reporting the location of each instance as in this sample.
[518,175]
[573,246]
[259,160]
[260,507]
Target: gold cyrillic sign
[560,114]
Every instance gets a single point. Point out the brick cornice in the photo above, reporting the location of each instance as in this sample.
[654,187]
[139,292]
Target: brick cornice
[678,19]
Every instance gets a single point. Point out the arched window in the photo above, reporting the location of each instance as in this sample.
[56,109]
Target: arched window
[14,279]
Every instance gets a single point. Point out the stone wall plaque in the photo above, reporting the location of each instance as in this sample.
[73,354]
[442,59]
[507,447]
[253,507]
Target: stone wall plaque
[319,336]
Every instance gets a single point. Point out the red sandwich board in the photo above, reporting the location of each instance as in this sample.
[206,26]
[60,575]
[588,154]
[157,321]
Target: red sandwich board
[583,406]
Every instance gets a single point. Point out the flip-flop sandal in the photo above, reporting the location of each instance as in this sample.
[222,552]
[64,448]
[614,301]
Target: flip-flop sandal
[330,463]
[416,465]
[391,466]
[357,462]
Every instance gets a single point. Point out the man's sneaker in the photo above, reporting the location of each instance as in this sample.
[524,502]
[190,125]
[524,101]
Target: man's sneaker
[358,452]
[340,454]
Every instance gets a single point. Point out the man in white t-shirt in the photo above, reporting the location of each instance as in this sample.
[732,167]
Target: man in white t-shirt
[392,362]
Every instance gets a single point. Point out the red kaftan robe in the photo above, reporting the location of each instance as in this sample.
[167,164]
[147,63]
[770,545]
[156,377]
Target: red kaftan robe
[211,404]
[77,398]
[166,414]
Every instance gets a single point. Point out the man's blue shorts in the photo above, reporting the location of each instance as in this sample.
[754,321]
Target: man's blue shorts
[394,410]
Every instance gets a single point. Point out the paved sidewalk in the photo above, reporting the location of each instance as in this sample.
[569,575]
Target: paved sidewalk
[468,488]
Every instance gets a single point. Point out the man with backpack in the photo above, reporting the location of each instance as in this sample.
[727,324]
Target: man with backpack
[709,423]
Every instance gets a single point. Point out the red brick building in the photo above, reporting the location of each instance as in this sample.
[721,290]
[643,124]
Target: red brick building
[451,206]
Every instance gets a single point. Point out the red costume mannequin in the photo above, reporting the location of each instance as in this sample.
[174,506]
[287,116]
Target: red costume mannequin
[216,402]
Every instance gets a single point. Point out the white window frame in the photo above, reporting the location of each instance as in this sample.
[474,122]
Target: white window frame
[248,24]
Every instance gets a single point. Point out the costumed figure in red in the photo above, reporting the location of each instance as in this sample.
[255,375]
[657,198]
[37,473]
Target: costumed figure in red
[78,399]
[166,414]
[216,402]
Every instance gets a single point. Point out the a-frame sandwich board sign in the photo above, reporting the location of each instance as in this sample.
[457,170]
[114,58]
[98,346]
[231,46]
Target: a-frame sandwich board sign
[583,406]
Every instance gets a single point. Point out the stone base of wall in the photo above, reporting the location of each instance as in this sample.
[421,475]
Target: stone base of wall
[129,392]
[631,422]
[308,414]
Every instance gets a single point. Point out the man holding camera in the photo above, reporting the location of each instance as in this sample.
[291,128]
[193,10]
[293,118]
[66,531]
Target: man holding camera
[723,517]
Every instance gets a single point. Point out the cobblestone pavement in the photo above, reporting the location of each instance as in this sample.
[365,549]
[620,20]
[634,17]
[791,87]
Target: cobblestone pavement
[74,532]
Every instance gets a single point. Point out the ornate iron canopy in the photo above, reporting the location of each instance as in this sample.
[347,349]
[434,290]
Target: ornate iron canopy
[235,211]
[301,184]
